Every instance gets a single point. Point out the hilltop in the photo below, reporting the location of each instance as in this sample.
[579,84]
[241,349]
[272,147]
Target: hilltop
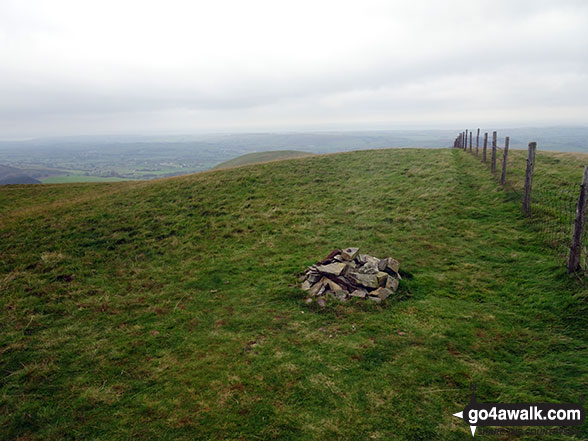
[170,309]
[12,175]
[259,157]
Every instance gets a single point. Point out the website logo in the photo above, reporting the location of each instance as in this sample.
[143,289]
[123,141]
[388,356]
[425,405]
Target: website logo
[477,414]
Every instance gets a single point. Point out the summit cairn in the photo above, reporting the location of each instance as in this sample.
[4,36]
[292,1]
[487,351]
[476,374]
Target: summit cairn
[347,273]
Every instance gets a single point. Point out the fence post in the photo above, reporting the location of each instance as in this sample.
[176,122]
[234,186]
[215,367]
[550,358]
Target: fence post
[485,147]
[465,144]
[470,142]
[477,142]
[503,177]
[576,247]
[529,178]
[493,163]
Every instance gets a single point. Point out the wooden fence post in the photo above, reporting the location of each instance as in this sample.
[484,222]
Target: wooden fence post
[493,163]
[477,142]
[503,177]
[576,246]
[529,178]
[485,147]
[465,144]
[470,142]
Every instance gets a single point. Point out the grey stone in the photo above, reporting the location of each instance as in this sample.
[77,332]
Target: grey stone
[336,269]
[366,280]
[340,295]
[369,268]
[333,286]
[382,278]
[361,293]
[389,264]
[319,287]
[375,299]
[306,285]
[349,253]
[314,277]
[382,293]
[371,259]
[392,283]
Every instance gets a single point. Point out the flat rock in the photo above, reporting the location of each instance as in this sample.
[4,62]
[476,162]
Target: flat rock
[392,283]
[335,269]
[349,253]
[306,285]
[365,280]
[381,292]
[389,264]
[361,293]
[319,287]
[330,256]
[340,295]
[314,277]
[382,278]
[334,286]
[375,299]
[369,268]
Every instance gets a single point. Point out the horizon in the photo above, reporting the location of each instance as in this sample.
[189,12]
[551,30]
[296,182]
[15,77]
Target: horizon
[300,131]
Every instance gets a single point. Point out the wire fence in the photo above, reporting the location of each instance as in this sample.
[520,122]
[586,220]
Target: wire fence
[556,199]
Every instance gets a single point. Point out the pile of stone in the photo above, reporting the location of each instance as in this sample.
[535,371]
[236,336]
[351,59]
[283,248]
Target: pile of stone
[346,273]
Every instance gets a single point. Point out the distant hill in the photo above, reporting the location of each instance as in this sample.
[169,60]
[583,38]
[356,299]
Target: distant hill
[12,175]
[254,158]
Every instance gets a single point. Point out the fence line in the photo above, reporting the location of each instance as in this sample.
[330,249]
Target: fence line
[555,206]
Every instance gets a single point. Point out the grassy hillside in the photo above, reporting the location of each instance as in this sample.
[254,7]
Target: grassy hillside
[258,157]
[169,309]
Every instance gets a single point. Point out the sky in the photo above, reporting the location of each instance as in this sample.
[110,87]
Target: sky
[79,67]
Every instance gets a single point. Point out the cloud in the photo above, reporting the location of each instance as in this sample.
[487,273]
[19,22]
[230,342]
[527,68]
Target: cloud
[105,67]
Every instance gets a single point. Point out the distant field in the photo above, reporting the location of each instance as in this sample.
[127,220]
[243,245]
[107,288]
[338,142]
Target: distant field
[171,309]
[78,178]
[258,157]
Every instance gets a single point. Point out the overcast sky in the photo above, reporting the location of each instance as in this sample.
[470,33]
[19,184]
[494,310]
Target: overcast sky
[124,66]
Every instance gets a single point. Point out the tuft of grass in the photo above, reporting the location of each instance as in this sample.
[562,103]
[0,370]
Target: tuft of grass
[170,309]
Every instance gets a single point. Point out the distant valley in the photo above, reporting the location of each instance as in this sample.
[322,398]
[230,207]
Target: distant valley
[116,158]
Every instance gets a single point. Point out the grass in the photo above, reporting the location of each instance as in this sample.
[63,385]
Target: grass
[258,157]
[169,309]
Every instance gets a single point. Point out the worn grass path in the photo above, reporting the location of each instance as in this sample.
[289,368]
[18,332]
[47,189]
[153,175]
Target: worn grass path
[182,319]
